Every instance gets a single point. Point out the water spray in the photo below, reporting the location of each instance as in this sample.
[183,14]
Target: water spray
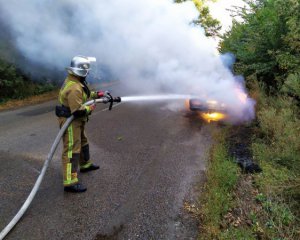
[155,98]
[108,99]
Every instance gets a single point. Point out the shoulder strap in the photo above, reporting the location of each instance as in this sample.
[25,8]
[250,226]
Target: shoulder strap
[86,89]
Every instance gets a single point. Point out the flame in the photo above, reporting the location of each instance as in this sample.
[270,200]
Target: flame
[187,104]
[208,116]
[241,95]
[214,116]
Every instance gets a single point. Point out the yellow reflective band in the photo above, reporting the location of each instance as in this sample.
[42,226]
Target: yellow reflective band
[69,172]
[70,147]
[84,96]
[94,95]
[63,89]
[72,181]
[87,165]
[88,109]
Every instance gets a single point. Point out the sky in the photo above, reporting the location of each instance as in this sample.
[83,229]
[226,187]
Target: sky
[219,11]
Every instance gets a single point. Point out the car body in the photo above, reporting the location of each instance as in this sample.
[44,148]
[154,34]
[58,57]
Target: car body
[206,106]
[210,110]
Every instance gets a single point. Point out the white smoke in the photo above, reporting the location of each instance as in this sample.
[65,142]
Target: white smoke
[150,45]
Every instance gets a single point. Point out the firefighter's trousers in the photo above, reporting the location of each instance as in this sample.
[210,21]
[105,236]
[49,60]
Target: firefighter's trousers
[75,150]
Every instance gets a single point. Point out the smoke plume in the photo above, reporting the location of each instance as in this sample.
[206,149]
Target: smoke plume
[149,45]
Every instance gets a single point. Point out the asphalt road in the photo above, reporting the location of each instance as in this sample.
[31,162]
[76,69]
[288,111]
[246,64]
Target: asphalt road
[152,161]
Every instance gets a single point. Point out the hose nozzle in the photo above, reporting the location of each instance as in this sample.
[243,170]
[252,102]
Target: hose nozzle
[110,99]
[117,99]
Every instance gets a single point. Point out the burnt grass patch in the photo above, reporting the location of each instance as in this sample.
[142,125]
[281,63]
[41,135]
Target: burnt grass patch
[241,219]
[253,214]
[230,209]
[239,140]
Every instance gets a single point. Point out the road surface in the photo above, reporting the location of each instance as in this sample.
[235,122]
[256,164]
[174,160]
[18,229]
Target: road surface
[152,161]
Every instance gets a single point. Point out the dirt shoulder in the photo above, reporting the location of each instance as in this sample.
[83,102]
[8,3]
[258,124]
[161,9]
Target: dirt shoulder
[18,103]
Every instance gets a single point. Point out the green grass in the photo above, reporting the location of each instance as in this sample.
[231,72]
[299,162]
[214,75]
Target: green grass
[28,90]
[222,176]
[275,204]
[279,130]
[276,146]
[278,218]
[237,234]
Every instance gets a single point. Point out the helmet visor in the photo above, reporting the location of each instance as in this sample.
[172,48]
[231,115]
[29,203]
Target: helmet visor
[85,66]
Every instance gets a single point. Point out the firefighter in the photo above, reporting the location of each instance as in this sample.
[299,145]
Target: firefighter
[73,94]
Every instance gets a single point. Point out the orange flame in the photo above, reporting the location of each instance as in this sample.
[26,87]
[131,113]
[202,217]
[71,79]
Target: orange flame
[187,104]
[208,116]
[214,116]
[241,95]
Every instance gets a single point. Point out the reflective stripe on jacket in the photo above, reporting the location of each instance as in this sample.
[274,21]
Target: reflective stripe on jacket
[73,96]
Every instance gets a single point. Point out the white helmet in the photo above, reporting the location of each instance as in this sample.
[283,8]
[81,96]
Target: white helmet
[80,65]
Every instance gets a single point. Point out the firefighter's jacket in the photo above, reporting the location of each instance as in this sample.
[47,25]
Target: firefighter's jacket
[73,94]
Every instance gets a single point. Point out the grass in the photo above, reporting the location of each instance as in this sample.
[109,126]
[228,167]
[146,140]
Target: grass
[233,233]
[222,176]
[16,103]
[276,218]
[259,206]
[279,217]
[276,146]
[24,90]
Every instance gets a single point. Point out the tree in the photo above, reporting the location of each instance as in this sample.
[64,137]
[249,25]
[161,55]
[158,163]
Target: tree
[267,44]
[211,26]
[10,81]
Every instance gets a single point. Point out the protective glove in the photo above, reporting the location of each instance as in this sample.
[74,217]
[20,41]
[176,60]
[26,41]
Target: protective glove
[100,94]
[90,108]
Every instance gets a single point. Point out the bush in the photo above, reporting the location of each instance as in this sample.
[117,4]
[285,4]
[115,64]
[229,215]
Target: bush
[277,147]
[266,44]
[15,85]
[280,128]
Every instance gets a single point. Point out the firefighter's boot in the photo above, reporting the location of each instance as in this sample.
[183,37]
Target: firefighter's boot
[85,164]
[77,188]
[91,167]
[71,183]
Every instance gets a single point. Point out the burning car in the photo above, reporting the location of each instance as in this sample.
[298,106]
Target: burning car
[209,110]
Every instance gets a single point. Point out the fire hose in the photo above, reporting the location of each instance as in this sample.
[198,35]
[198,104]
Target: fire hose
[107,99]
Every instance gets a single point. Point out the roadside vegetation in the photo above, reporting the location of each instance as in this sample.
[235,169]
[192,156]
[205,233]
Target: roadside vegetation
[16,85]
[217,198]
[267,49]
[240,206]
[211,25]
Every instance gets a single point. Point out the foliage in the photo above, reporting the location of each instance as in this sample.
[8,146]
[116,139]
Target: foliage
[276,147]
[210,24]
[10,81]
[237,234]
[15,85]
[222,176]
[242,207]
[280,128]
[267,48]
[267,44]
[277,218]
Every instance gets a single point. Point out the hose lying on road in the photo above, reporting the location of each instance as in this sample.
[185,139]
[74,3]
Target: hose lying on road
[38,182]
